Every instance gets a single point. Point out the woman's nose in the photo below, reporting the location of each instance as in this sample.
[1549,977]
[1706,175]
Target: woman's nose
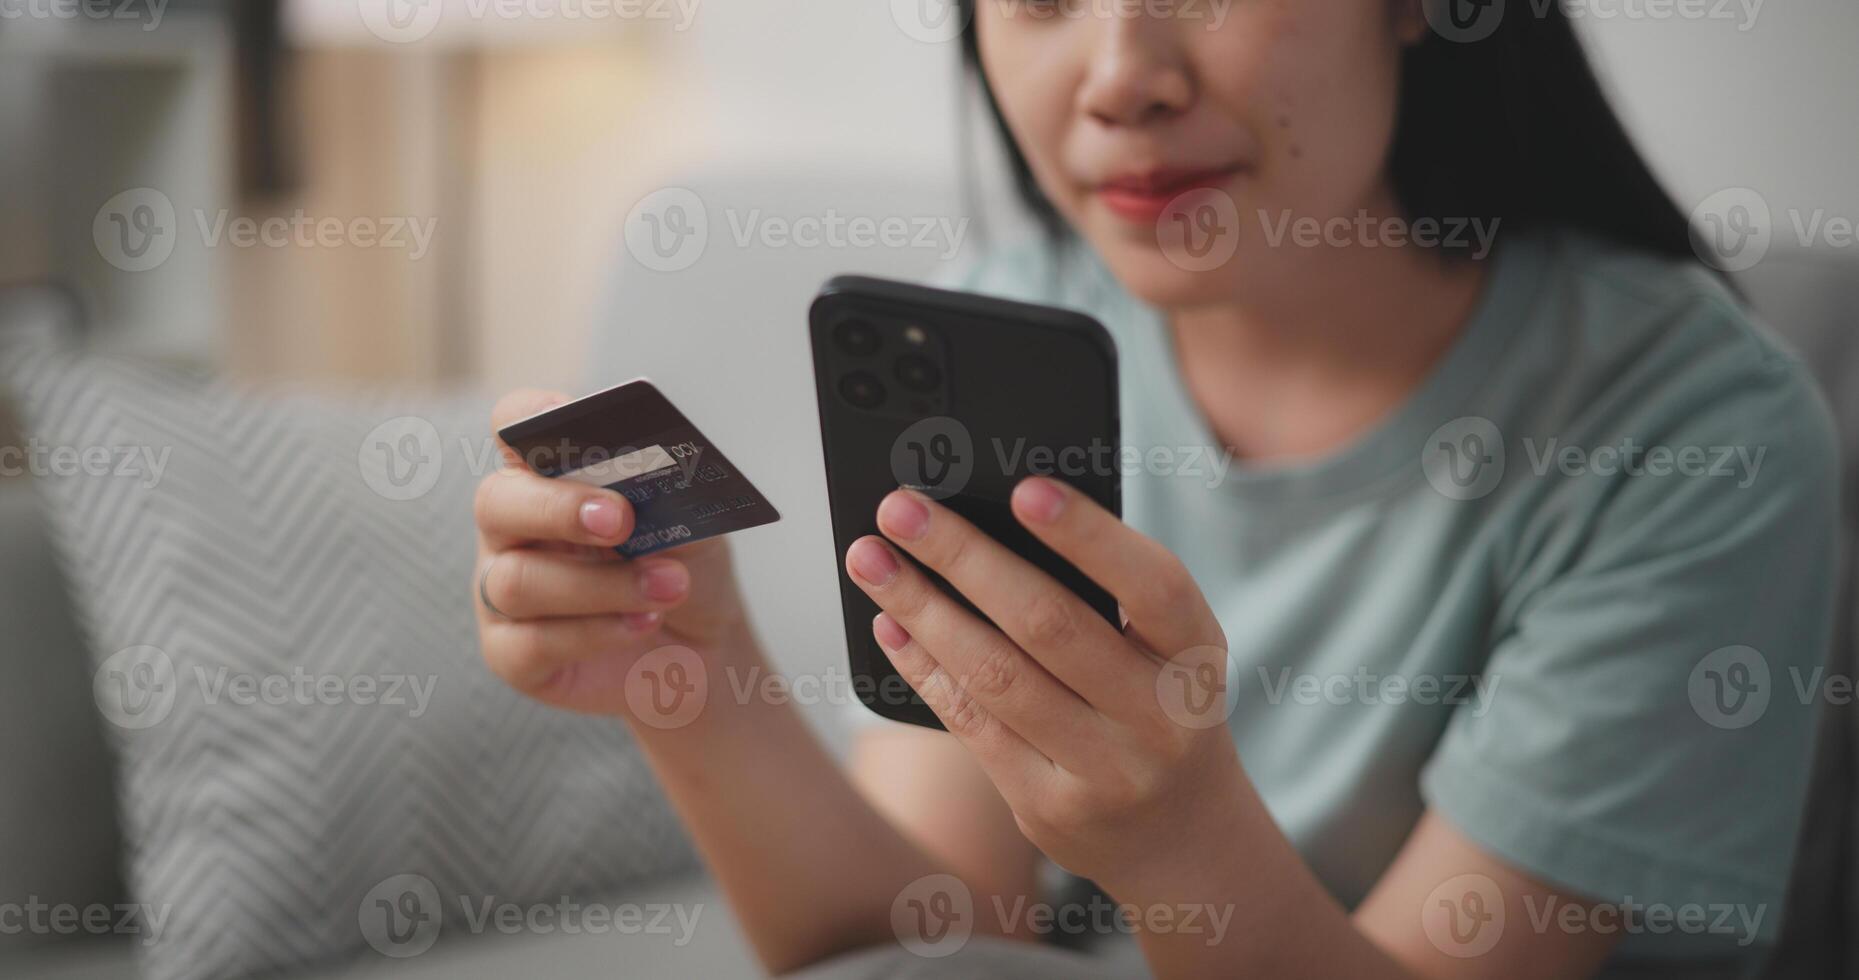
[1139,71]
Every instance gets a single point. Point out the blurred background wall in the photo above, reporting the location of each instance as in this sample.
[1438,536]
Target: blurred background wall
[1766,103]
[523,140]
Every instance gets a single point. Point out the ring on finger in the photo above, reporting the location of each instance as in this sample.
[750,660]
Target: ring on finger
[484,595]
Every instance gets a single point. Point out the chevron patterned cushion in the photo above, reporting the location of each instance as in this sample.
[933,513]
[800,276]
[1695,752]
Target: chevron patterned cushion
[313,759]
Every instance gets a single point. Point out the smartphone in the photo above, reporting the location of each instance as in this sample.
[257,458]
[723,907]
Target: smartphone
[960,397]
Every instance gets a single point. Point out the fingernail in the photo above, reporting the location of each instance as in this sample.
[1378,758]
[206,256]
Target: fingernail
[872,562]
[891,635]
[641,622]
[602,518]
[1039,500]
[664,581]
[903,516]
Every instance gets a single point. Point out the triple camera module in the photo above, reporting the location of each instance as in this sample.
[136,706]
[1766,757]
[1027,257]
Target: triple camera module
[895,368]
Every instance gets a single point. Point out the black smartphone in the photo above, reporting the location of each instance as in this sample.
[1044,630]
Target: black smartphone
[961,397]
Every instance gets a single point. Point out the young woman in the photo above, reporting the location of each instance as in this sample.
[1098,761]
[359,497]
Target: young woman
[1507,579]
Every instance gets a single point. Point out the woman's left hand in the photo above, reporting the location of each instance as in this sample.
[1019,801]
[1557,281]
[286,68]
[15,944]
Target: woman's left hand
[1108,744]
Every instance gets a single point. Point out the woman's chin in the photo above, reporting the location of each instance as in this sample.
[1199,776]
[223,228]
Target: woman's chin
[1168,281]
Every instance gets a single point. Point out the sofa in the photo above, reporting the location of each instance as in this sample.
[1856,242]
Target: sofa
[60,834]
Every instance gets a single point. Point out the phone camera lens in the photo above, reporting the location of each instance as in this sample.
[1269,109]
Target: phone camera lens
[918,373]
[856,337]
[863,389]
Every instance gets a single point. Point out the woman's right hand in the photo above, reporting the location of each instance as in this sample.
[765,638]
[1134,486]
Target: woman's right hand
[764,800]
[569,617]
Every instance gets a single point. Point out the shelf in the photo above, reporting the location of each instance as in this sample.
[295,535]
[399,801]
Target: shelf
[114,108]
[447,25]
[179,41]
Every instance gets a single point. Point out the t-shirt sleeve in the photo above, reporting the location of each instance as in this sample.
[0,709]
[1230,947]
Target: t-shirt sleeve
[1649,738]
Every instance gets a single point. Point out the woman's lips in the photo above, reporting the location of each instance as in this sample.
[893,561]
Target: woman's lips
[1144,197]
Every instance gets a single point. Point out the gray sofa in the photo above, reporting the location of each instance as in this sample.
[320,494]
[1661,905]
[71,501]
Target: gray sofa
[59,840]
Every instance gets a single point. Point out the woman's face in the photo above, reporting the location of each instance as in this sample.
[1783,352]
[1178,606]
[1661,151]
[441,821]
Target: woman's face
[1185,139]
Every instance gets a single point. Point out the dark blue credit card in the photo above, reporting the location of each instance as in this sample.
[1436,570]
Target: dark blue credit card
[632,440]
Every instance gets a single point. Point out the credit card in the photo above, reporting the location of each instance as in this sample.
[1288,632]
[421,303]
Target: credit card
[632,440]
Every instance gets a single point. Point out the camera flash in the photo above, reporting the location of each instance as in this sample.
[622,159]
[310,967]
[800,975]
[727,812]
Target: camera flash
[915,336]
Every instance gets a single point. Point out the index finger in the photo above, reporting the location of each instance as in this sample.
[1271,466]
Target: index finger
[1165,607]
[1042,617]
[516,507]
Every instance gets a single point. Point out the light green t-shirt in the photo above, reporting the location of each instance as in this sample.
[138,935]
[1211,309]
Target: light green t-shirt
[1567,595]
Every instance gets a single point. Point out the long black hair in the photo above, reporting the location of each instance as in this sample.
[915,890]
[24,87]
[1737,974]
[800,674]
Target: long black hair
[1512,128]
